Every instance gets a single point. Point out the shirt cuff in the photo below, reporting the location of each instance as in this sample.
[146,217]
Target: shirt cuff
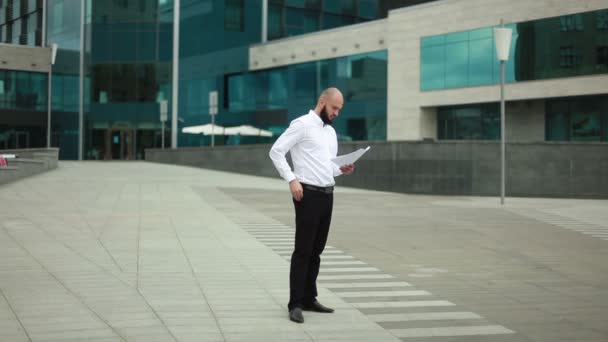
[290,177]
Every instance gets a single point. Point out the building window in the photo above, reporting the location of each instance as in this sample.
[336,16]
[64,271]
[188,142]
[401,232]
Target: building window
[577,119]
[540,50]
[602,56]
[234,15]
[602,20]
[276,95]
[121,3]
[275,21]
[571,23]
[470,122]
[568,57]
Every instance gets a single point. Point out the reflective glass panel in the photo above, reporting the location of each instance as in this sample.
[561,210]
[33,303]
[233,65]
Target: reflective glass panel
[541,49]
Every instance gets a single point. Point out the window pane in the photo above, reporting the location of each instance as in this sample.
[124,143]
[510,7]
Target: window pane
[586,126]
[433,68]
[457,65]
[234,15]
[305,80]
[369,9]
[480,61]
[470,122]
[275,21]
[541,49]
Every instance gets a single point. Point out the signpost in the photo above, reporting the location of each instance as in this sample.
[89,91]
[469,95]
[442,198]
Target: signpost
[50,95]
[213,113]
[163,119]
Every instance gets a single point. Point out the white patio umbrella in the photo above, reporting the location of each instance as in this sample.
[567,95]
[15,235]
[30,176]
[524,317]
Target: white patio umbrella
[247,130]
[207,129]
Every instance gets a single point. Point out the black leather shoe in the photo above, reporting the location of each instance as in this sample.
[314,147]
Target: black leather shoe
[317,307]
[295,315]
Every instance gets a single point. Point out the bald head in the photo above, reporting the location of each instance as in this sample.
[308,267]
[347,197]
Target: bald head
[330,93]
[329,105]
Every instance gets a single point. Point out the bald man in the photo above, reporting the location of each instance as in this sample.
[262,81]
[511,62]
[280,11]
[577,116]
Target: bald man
[312,142]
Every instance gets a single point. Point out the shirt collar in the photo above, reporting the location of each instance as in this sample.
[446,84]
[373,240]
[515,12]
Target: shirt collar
[317,119]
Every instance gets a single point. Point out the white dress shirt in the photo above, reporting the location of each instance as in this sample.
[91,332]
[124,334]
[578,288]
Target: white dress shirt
[312,144]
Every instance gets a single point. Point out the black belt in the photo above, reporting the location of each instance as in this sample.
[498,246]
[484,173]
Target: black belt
[324,189]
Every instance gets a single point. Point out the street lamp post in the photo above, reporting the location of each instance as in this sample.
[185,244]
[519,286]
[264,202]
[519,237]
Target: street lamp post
[49,95]
[163,119]
[213,113]
[502,39]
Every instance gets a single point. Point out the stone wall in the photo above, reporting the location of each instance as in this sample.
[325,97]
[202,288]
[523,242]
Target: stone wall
[29,162]
[569,170]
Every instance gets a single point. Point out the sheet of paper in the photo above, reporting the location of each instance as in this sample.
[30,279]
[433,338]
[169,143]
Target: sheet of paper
[350,158]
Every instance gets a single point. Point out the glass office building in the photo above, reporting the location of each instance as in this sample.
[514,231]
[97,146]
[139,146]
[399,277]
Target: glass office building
[115,64]
[23,103]
[551,48]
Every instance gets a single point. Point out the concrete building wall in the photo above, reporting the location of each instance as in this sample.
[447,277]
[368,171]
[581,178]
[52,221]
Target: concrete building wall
[338,42]
[25,58]
[407,26]
[572,170]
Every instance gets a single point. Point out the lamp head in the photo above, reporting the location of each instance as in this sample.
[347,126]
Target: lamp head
[53,53]
[502,39]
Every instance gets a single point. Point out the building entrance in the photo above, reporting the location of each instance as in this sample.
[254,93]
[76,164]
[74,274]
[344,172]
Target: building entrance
[120,143]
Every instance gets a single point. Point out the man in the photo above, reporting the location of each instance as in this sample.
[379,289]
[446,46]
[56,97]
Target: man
[312,142]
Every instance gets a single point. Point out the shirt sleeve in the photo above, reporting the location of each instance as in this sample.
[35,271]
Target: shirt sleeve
[337,171]
[335,167]
[279,149]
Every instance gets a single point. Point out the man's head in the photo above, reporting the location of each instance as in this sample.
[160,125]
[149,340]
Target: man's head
[329,105]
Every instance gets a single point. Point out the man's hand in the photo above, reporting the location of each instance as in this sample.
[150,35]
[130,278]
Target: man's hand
[347,169]
[296,190]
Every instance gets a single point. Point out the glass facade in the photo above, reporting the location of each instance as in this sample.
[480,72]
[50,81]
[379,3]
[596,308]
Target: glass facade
[215,39]
[23,99]
[582,118]
[123,59]
[470,122]
[565,46]
[127,68]
[294,17]
[272,98]
[21,22]
[63,28]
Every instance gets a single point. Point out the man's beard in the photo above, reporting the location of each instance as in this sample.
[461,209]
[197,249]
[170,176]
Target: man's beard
[325,116]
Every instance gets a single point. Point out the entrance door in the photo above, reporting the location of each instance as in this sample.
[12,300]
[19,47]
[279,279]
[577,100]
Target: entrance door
[119,144]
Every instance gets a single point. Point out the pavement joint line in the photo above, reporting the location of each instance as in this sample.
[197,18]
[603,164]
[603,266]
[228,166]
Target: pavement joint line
[54,276]
[12,310]
[196,280]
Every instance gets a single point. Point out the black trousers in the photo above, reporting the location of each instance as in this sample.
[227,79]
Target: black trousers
[313,217]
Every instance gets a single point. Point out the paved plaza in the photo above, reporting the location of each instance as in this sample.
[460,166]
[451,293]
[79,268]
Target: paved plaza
[135,251]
